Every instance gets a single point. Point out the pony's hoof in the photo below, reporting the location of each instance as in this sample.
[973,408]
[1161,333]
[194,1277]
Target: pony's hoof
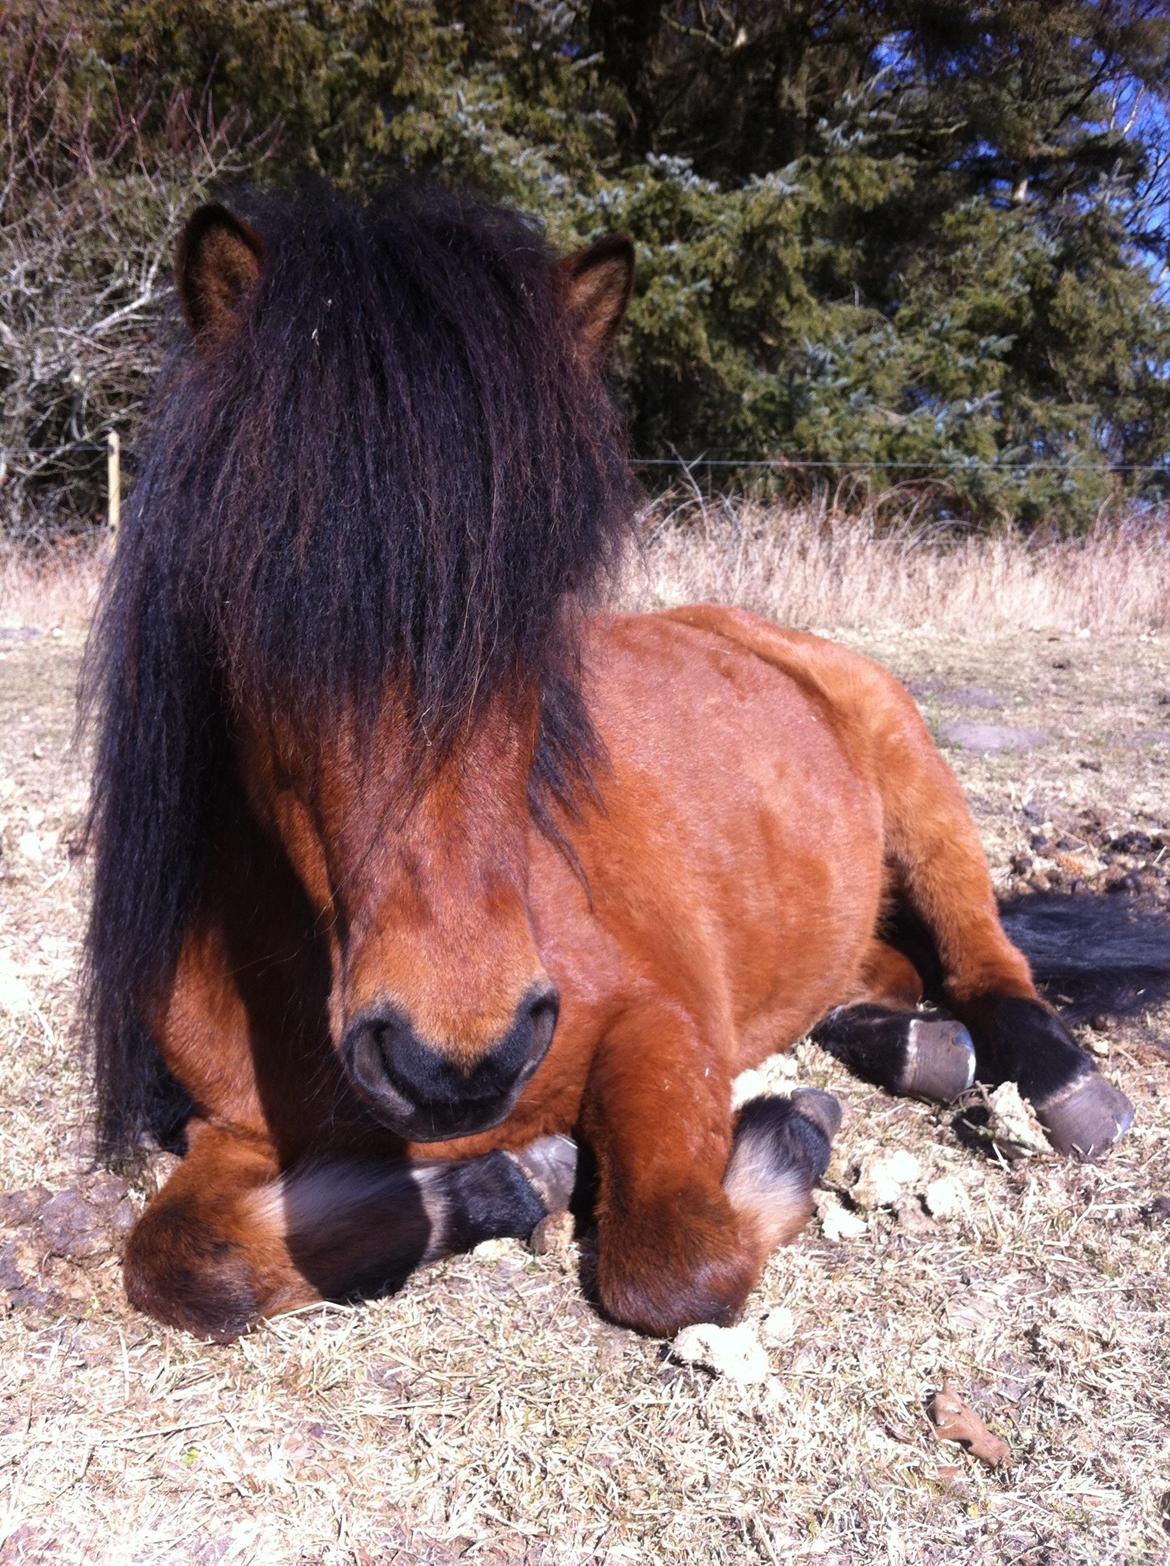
[1086,1118]
[940,1060]
[821,1108]
[550,1164]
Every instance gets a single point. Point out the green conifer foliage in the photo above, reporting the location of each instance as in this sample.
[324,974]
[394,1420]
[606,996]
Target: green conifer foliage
[912,242]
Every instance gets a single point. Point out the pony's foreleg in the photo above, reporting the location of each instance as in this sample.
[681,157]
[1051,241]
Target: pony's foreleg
[690,1206]
[232,1237]
[883,1038]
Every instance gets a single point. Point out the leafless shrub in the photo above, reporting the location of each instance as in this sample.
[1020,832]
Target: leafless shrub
[89,205]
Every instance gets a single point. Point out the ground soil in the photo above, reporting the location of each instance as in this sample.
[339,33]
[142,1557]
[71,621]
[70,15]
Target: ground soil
[486,1413]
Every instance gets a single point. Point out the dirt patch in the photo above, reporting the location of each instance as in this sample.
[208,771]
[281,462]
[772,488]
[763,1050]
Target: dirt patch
[1085,855]
[486,1413]
[988,737]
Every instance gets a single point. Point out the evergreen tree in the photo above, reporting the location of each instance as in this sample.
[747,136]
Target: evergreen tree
[909,233]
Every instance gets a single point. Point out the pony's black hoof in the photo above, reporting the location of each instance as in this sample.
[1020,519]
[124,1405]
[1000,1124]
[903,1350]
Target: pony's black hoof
[1086,1118]
[550,1164]
[821,1108]
[940,1060]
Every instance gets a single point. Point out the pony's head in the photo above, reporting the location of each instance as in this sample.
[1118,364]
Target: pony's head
[382,478]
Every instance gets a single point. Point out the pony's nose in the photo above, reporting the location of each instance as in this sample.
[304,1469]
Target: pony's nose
[427,1095]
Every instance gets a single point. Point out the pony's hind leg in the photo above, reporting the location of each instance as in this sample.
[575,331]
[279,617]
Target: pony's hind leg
[883,1038]
[233,1238]
[1020,1039]
[985,981]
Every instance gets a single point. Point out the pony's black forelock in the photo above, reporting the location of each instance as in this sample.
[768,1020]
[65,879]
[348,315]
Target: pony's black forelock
[399,467]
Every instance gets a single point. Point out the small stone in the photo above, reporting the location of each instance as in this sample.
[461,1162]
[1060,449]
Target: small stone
[837,1222]
[748,1085]
[778,1326]
[734,1352]
[493,1250]
[884,1177]
[553,1236]
[30,845]
[988,738]
[945,1197]
[1013,1123]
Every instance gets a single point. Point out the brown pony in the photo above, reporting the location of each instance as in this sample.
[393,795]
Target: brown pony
[407,867]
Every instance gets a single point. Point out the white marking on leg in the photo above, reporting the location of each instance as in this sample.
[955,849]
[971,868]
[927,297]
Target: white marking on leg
[776,1197]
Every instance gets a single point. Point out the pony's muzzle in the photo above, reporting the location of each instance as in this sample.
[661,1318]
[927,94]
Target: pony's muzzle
[427,1095]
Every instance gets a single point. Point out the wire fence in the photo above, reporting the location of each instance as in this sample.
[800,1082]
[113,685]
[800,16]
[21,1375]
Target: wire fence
[924,467]
[961,465]
[722,459]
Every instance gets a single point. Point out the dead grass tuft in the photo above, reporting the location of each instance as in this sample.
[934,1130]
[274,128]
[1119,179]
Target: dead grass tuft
[51,590]
[816,566]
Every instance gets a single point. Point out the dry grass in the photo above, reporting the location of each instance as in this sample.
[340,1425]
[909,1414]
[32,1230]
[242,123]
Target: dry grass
[812,566]
[485,1414]
[53,590]
[822,567]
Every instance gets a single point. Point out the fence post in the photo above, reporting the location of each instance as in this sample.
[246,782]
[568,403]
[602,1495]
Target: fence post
[113,482]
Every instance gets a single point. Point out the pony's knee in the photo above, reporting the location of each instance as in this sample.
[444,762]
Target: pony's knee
[680,1262]
[185,1275]
[695,1255]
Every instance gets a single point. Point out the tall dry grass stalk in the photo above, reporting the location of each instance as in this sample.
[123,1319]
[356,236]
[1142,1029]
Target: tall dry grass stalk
[815,565]
[51,589]
[823,567]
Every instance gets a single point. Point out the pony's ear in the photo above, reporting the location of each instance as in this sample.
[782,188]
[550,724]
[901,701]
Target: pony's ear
[598,282]
[217,262]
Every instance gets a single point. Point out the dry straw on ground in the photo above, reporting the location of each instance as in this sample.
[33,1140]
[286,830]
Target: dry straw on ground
[486,1414]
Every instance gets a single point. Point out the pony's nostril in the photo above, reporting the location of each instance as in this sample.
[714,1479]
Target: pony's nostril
[369,1048]
[541,1013]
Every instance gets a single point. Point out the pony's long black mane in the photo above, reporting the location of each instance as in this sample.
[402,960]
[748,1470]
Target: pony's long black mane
[400,467]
